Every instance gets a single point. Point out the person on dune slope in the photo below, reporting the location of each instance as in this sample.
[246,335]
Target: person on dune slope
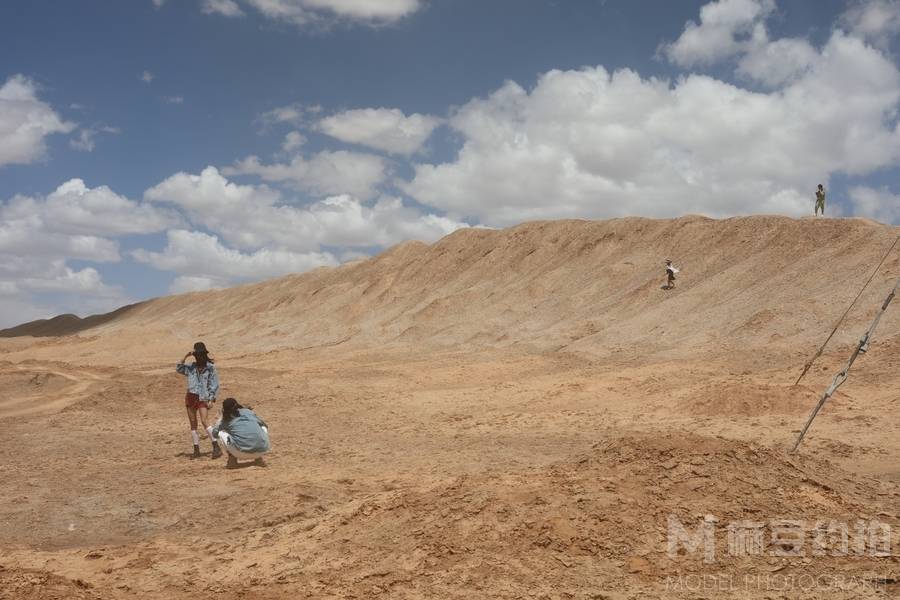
[670,275]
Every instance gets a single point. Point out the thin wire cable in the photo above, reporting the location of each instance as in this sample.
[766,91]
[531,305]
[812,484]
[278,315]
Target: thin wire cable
[818,353]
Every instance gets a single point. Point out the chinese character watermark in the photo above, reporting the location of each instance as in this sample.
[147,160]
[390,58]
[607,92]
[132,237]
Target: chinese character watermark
[780,538]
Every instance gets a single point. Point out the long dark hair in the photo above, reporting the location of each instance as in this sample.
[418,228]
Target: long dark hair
[230,408]
[201,354]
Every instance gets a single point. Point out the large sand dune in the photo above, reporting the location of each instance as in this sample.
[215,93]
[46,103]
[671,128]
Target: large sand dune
[506,414]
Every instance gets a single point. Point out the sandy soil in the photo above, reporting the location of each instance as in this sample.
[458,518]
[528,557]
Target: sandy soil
[502,414]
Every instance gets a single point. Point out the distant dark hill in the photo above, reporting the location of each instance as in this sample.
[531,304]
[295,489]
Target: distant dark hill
[64,324]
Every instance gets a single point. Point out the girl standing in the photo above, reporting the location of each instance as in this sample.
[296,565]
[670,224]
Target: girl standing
[202,389]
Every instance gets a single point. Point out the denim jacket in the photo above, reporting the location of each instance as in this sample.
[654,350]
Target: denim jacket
[205,384]
[248,432]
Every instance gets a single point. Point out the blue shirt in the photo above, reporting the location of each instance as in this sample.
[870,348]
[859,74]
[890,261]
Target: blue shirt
[205,384]
[246,431]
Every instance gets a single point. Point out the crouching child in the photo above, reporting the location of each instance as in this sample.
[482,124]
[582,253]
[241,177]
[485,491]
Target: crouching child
[242,433]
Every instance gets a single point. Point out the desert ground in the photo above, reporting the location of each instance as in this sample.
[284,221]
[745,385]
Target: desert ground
[511,413]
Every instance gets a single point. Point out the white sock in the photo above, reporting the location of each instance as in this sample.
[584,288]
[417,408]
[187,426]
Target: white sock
[209,431]
[195,437]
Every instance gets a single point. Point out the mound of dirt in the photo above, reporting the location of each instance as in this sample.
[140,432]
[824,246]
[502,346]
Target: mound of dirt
[747,283]
[26,584]
[577,526]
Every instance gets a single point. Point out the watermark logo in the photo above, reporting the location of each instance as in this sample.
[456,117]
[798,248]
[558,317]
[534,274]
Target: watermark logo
[779,537]
[773,582]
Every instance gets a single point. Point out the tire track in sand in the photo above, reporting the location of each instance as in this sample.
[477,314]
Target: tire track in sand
[45,403]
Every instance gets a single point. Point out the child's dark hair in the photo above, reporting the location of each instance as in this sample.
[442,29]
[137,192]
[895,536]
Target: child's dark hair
[230,408]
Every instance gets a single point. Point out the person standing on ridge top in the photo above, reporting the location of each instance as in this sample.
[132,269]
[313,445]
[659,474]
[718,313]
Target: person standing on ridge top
[670,275]
[820,200]
[202,388]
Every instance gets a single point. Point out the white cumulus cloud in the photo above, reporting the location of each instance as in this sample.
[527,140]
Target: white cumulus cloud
[295,114]
[226,8]
[252,217]
[40,235]
[375,10]
[381,128]
[879,204]
[307,12]
[187,283]
[874,20]
[292,141]
[323,174]
[86,140]
[27,237]
[775,63]
[25,122]
[85,281]
[75,209]
[203,258]
[49,287]
[725,27]
[590,143]
[255,234]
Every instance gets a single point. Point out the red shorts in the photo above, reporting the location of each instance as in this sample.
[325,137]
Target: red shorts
[194,401]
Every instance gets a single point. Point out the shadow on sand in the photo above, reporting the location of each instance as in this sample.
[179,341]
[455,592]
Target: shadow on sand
[243,465]
[190,455]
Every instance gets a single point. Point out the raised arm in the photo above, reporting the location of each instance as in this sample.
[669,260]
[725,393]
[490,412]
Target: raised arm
[182,367]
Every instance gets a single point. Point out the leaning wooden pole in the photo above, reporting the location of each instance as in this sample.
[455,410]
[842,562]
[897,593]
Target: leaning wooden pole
[841,377]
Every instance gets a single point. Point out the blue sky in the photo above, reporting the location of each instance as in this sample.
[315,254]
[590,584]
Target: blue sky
[159,146]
